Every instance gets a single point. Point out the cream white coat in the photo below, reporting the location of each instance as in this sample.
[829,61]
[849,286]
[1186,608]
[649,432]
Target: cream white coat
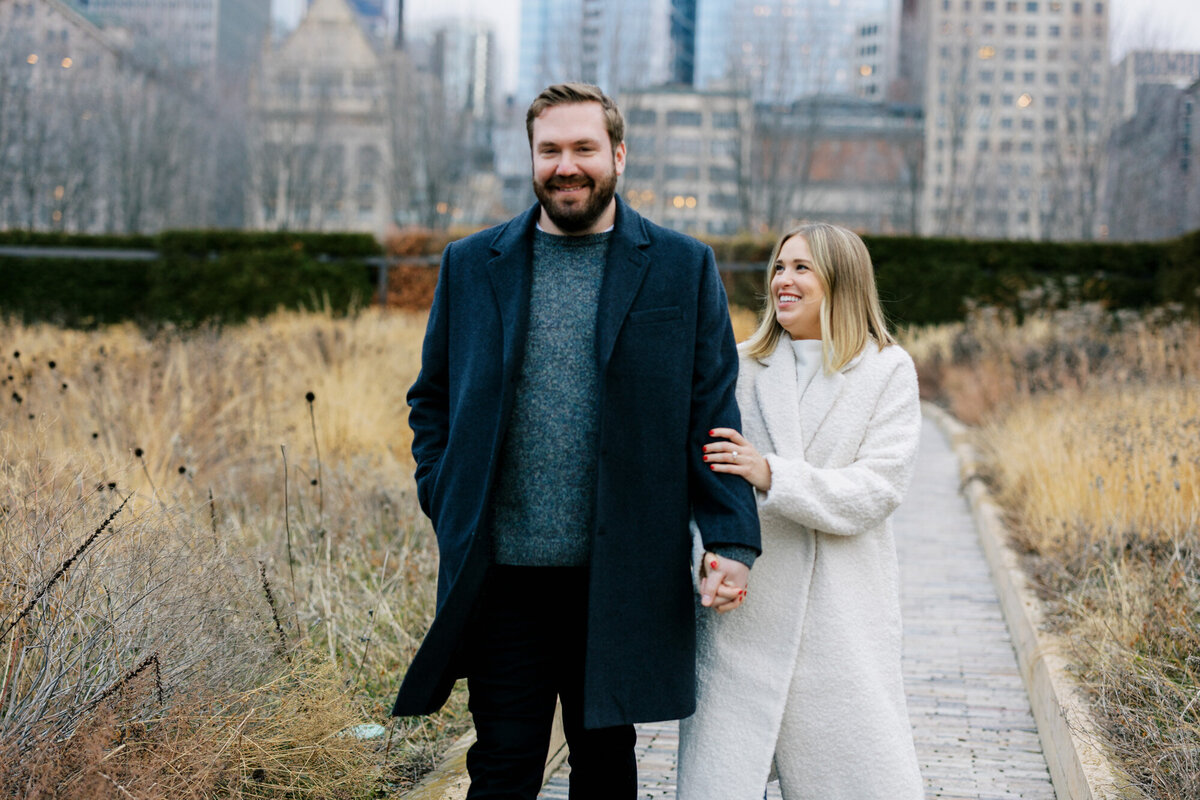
[807,671]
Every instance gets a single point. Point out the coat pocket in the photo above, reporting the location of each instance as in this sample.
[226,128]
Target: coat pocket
[651,315]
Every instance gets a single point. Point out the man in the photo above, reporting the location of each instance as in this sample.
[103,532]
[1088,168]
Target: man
[575,359]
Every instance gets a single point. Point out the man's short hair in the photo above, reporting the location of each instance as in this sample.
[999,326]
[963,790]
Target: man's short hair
[561,94]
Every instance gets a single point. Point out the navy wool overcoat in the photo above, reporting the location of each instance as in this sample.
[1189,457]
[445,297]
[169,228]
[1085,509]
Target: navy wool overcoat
[668,369]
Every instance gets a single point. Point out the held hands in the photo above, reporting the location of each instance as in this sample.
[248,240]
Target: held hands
[722,582]
[738,457]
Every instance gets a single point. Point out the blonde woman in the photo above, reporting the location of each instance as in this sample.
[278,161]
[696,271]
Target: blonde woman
[806,676]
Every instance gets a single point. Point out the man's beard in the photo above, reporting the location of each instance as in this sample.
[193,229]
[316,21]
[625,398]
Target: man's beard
[579,217]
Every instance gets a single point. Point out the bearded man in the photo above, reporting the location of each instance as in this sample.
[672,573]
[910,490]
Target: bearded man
[575,359]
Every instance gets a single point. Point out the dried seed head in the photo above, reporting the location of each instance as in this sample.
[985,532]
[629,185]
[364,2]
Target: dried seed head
[95,434]
[112,486]
[137,451]
[16,353]
[17,397]
[51,364]
[309,396]
[313,482]
[183,470]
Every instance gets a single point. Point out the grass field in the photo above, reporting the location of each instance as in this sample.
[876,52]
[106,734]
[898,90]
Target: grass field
[1090,425]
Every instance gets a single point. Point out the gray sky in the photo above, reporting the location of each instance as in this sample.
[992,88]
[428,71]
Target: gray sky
[1162,24]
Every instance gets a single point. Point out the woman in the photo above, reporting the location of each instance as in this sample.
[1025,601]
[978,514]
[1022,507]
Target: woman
[806,675]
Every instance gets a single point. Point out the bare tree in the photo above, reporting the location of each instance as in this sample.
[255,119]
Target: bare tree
[431,145]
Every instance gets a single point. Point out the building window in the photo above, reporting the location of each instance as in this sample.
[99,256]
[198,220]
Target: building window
[678,145]
[642,116]
[685,119]
[640,172]
[724,119]
[682,172]
[722,174]
[1031,7]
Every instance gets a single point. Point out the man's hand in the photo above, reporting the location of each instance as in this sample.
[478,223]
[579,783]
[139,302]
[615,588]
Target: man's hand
[723,582]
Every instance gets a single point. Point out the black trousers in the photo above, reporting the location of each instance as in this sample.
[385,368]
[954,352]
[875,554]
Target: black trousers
[526,646]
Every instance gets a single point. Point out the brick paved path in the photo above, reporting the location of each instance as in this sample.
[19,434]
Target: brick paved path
[975,736]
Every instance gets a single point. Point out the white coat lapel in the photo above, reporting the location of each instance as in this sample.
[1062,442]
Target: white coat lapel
[778,399]
[819,398]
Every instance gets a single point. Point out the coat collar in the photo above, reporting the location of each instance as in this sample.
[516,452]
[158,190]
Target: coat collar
[778,395]
[508,270]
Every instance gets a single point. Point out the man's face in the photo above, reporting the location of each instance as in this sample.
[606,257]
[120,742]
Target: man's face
[575,168]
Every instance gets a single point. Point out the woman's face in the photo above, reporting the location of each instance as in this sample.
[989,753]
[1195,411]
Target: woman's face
[796,291]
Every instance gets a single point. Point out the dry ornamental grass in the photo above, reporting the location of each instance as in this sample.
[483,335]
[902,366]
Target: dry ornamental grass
[155,491]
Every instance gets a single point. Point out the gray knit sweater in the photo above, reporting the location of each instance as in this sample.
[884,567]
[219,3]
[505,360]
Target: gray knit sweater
[545,496]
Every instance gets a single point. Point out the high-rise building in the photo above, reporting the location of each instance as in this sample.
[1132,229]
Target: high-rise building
[1143,68]
[222,35]
[463,59]
[683,42]
[780,50]
[1015,123]
[615,44]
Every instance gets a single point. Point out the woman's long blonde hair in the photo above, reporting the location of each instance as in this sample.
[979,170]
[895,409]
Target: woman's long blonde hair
[850,311]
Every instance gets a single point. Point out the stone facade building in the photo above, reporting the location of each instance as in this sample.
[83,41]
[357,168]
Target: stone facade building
[688,158]
[322,128]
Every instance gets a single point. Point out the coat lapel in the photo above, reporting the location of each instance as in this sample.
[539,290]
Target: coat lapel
[623,275]
[777,395]
[510,276]
[819,398]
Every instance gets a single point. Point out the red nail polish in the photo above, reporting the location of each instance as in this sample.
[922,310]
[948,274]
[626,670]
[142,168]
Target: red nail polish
[713,467]
[710,433]
[713,563]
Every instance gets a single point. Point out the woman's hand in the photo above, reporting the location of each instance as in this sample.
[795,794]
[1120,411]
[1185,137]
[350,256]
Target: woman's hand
[738,457]
[723,582]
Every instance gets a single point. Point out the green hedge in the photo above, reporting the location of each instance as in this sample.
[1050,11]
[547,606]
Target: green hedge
[934,280]
[234,275]
[74,292]
[20,238]
[199,276]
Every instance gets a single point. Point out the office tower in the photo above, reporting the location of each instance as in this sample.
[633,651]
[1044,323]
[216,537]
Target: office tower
[1014,102]
[616,44]
[779,50]
[463,59]
[222,35]
[683,42]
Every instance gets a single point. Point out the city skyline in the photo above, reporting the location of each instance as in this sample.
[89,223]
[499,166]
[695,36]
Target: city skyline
[1135,24]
